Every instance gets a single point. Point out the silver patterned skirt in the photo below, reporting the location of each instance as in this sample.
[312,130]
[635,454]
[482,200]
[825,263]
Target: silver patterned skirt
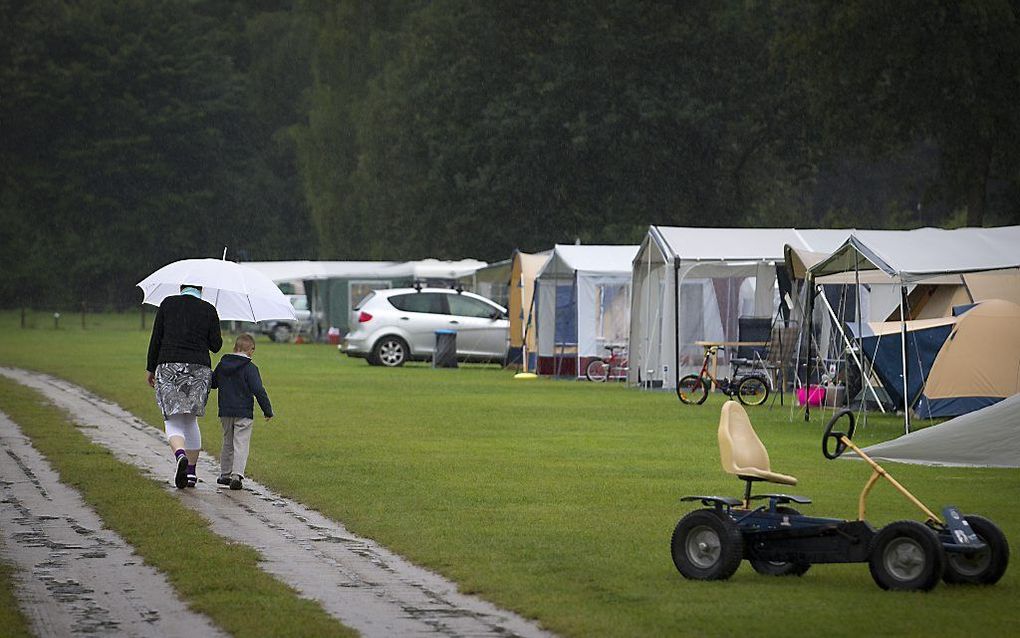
[182,388]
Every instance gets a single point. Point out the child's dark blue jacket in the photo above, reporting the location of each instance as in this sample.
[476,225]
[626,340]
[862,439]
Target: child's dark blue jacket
[238,381]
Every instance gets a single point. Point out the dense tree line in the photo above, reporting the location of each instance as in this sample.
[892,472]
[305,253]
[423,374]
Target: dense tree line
[137,132]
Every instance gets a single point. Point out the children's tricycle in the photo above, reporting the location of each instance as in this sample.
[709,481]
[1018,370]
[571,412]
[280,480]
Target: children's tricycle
[709,543]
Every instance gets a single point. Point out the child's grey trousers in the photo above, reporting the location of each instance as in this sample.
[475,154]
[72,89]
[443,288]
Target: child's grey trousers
[236,437]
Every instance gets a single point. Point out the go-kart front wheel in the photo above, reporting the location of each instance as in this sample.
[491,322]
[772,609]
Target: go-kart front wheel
[707,545]
[906,555]
[984,567]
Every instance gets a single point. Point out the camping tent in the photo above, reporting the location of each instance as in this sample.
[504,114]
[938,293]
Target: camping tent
[692,284]
[989,437]
[909,257]
[524,267]
[582,304]
[979,363]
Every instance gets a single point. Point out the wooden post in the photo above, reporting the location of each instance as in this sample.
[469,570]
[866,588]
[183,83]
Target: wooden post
[22,317]
[83,307]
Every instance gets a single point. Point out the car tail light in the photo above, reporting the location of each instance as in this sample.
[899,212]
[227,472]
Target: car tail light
[364,317]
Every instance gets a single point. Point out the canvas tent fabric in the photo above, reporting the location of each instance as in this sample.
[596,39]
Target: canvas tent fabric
[582,304]
[979,363]
[989,437]
[693,284]
[917,255]
[524,267]
[923,254]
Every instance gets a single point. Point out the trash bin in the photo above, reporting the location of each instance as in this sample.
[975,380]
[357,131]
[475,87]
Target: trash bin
[445,354]
[835,396]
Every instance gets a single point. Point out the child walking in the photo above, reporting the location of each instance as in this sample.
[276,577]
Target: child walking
[239,383]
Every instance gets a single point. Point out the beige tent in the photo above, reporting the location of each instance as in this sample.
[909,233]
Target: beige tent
[979,364]
[524,268]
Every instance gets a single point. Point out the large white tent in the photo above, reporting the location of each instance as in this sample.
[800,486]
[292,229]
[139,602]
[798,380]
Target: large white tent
[582,303]
[989,437]
[692,284]
[921,255]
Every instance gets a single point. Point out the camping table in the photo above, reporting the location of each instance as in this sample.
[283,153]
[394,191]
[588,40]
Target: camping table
[726,344]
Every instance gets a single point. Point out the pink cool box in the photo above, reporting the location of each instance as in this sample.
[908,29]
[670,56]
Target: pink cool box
[813,398]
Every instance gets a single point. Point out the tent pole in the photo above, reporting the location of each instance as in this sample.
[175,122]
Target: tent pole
[849,345]
[809,310]
[676,322]
[903,353]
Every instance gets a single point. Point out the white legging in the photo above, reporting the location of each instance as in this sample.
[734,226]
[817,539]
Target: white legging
[186,427]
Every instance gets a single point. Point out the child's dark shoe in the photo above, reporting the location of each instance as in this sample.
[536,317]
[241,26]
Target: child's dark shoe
[235,483]
[181,476]
[224,479]
[192,480]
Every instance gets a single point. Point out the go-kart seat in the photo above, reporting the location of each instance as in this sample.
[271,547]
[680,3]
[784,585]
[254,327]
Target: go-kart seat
[742,452]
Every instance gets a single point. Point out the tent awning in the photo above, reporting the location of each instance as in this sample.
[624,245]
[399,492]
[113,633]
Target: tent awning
[918,255]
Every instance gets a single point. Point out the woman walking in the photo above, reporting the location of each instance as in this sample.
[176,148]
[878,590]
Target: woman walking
[185,330]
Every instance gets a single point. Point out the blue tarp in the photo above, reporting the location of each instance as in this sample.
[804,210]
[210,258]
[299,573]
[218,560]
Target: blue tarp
[885,354]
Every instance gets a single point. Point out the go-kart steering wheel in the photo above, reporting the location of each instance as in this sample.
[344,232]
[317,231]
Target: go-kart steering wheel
[829,434]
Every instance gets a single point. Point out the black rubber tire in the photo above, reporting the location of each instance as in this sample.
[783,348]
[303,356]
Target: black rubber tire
[707,545]
[753,390]
[597,370]
[282,333]
[390,351]
[692,390]
[780,568]
[979,568]
[907,556]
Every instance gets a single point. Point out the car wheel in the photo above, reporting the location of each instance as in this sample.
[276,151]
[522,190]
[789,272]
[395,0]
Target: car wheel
[390,352]
[281,333]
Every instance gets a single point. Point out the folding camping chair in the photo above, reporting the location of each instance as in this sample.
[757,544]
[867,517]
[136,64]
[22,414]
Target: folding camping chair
[766,348]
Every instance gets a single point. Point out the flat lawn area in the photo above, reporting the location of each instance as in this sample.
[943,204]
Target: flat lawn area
[554,498]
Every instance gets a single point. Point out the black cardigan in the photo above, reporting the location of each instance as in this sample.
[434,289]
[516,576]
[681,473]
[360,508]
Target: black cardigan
[185,330]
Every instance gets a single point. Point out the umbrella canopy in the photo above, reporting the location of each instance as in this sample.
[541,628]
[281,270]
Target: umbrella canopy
[238,293]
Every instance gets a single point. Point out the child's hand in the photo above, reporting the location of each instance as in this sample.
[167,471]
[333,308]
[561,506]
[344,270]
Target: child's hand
[269,418]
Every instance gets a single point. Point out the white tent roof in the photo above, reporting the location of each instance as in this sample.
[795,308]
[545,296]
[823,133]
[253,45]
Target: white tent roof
[989,437]
[917,255]
[608,260]
[744,244]
[312,270]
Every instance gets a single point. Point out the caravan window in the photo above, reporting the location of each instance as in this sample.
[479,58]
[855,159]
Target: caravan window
[364,300]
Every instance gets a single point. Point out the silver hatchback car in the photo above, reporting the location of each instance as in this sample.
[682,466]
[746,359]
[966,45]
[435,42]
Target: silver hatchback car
[397,325]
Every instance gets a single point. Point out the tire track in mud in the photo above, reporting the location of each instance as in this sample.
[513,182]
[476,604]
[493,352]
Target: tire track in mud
[362,584]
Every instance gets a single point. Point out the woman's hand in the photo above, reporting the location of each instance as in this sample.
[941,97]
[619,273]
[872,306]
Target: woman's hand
[150,378]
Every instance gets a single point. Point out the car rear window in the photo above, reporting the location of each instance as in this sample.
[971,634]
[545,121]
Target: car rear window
[420,302]
[364,300]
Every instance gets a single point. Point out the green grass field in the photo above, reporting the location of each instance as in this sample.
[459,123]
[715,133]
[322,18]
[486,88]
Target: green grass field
[556,499]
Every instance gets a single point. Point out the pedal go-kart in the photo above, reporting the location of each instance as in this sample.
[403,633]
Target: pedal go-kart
[709,543]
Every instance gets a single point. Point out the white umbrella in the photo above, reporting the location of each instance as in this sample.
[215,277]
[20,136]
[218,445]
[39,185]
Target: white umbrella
[237,292]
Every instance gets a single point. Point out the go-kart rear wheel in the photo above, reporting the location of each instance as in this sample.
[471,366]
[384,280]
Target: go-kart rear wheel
[776,567]
[707,545]
[906,555]
[983,567]
[692,390]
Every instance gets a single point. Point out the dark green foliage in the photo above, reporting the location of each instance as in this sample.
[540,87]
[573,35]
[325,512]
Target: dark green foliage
[136,133]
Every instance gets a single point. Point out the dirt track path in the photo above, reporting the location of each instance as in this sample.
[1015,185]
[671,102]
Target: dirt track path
[362,584]
[73,576]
